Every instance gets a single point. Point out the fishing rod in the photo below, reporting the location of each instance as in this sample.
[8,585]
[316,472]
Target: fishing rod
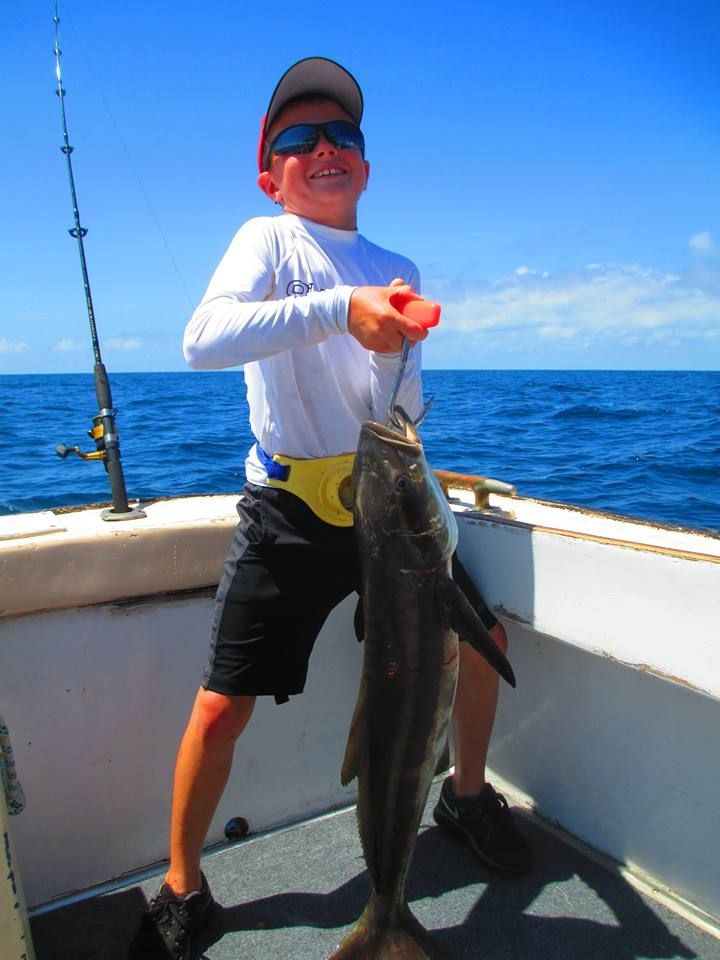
[104,431]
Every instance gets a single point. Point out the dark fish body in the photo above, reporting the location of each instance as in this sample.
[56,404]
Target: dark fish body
[412,611]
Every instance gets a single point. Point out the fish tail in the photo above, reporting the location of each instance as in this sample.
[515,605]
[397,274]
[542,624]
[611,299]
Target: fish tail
[383,935]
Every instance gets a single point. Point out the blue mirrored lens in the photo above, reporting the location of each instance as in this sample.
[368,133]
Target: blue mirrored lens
[303,137]
[298,139]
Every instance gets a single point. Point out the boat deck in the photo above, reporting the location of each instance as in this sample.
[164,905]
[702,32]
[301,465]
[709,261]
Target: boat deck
[293,893]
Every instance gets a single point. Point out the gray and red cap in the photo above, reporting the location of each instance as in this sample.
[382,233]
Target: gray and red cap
[313,75]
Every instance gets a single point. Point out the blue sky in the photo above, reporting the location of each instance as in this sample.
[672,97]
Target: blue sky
[552,167]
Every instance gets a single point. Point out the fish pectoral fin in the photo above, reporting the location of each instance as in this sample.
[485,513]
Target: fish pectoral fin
[469,627]
[356,744]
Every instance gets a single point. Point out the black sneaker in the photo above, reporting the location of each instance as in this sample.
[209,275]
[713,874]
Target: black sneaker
[166,929]
[487,824]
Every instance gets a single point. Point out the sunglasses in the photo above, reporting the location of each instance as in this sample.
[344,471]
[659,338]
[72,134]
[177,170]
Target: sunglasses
[304,137]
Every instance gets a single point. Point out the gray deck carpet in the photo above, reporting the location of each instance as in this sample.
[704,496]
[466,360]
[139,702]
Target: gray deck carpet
[292,894]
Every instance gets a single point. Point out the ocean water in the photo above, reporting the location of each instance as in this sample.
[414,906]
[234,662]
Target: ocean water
[644,444]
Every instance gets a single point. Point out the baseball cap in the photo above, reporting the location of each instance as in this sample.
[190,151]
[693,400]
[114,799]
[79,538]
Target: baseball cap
[313,75]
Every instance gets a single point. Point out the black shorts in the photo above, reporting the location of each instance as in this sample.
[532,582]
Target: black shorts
[285,571]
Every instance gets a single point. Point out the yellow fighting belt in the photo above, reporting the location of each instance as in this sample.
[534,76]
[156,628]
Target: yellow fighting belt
[323,483]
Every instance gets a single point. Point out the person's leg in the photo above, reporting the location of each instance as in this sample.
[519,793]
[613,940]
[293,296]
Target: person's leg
[284,572]
[468,805]
[201,774]
[184,904]
[474,715]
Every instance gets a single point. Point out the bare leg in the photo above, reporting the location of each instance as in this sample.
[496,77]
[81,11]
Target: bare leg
[474,715]
[201,773]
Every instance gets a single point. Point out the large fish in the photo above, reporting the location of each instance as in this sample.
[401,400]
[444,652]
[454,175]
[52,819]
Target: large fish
[413,613]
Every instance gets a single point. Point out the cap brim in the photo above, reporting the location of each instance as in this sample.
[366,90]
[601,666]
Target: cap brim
[323,77]
[313,75]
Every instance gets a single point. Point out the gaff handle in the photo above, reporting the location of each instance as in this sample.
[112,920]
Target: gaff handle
[424,312]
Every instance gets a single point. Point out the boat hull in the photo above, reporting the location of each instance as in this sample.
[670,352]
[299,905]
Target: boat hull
[611,626]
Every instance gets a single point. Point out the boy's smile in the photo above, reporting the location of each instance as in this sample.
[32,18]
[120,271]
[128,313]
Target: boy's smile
[323,185]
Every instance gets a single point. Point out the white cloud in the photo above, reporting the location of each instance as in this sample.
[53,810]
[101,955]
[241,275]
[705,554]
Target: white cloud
[599,302]
[125,343]
[12,346]
[528,271]
[558,333]
[114,343]
[69,346]
[702,243]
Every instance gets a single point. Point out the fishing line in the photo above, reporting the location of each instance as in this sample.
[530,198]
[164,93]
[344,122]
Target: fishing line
[104,431]
[128,157]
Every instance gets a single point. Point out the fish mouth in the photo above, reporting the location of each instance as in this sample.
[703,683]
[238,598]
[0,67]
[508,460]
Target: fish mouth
[408,440]
[400,424]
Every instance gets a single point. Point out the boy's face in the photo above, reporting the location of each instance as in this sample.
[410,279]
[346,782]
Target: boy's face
[323,185]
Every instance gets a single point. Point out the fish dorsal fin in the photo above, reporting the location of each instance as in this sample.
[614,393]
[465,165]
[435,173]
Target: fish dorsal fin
[464,620]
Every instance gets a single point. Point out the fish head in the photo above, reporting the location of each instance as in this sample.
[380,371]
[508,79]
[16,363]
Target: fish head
[399,505]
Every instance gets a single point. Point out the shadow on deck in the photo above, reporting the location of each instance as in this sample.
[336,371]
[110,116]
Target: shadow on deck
[292,894]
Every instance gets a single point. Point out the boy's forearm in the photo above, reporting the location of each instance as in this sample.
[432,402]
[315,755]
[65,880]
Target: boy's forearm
[225,331]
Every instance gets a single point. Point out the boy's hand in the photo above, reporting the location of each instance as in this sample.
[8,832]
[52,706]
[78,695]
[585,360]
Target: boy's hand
[376,324]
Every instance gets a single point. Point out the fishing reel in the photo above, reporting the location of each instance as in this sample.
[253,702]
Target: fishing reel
[97,434]
[107,450]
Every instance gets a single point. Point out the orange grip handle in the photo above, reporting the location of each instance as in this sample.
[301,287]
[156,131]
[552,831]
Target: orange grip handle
[424,312]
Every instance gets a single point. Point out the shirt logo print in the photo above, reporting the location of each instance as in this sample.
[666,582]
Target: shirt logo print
[298,288]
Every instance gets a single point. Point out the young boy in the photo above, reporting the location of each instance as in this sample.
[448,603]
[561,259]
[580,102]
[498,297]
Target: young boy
[304,302]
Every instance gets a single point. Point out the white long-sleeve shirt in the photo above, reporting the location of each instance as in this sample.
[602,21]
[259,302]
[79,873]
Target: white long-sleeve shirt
[278,303]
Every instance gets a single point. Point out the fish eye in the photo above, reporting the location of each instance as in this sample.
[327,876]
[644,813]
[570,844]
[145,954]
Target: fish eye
[403,483]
